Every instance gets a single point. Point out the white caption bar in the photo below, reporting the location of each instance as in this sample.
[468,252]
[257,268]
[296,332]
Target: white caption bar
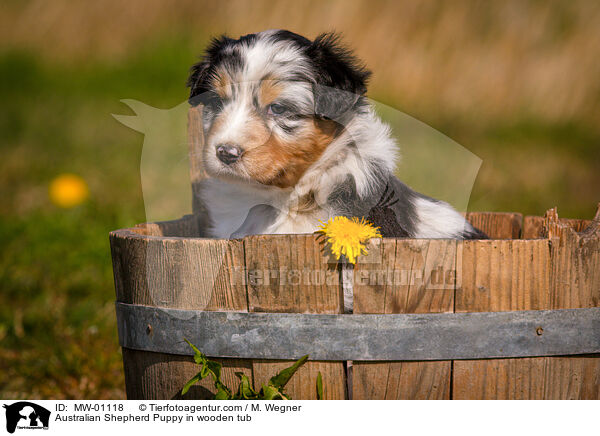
[22,417]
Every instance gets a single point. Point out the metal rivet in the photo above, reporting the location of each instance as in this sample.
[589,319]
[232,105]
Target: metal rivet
[539,331]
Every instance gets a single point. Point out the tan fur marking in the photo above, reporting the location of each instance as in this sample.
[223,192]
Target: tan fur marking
[281,164]
[222,84]
[257,133]
[269,91]
[307,203]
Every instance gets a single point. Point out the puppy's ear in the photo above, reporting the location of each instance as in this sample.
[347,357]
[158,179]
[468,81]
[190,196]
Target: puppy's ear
[201,72]
[341,80]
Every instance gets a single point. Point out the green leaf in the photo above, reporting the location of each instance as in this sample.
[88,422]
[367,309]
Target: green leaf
[199,358]
[195,379]
[214,368]
[319,386]
[222,393]
[269,392]
[245,390]
[281,379]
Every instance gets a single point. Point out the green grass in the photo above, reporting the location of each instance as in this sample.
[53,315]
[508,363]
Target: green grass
[57,327]
[56,315]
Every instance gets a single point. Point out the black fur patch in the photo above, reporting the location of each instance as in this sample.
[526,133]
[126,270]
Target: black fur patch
[474,234]
[341,80]
[389,206]
[216,54]
[345,201]
[288,129]
[395,213]
[286,35]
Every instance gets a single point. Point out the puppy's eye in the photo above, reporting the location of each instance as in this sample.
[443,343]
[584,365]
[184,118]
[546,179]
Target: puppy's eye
[276,109]
[214,102]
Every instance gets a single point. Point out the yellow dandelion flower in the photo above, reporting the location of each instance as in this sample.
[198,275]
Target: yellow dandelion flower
[348,236]
[68,190]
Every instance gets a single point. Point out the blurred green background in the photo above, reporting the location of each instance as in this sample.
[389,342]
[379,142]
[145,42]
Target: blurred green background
[516,82]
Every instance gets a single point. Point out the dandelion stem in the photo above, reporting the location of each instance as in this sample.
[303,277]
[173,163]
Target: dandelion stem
[348,284]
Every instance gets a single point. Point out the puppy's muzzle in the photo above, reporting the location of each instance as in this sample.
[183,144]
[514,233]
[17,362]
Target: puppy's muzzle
[229,153]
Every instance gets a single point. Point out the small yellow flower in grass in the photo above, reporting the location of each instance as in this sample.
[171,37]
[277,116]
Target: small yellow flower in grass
[348,236]
[68,190]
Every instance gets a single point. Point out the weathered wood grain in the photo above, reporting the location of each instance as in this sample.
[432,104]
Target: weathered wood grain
[401,380]
[413,276]
[176,273]
[556,273]
[533,226]
[572,378]
[290,273]
[159,376]
[501,276]
[195,147]
[575,283]
[497,225]
[196,143]
[197,171]
[576,266]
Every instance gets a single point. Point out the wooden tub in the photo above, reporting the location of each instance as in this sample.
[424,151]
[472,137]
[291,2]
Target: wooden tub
[481,319]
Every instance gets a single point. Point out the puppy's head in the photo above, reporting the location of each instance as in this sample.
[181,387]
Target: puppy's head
[273,101]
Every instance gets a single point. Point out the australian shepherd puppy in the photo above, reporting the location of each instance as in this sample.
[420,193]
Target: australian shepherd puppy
[290,140]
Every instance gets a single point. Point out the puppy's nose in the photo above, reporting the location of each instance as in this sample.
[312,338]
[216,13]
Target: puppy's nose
[228,153]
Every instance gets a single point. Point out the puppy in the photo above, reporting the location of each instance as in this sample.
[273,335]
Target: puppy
[290,140]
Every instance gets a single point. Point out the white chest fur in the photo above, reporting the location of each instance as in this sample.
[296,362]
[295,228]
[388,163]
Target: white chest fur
[234,213]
